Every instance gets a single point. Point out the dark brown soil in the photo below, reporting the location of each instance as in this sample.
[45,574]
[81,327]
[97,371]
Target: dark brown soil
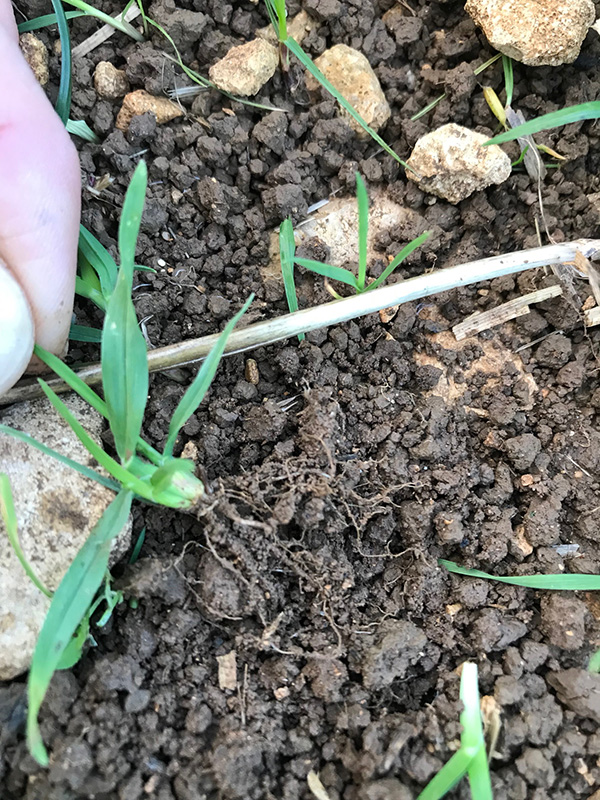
[360,457]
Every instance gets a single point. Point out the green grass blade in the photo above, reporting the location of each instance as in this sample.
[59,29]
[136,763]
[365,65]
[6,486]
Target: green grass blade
[509,79]
[555,119]
[120,473]
[78,127]
[84,289]
[447,778]
[570,582]
[72,379]
[123,353]
[45,20]
[309,64]
[329,271]
[277,15]
[162,478]
[362,199]
[404,253]
[429,107]
[131,217]
[195,393]
[83,333]
[116,23]
[287,250]
[72,652]
[69,604]
[63,99]
[7,512]
[472,739]
[69,462]
[594,662]
[89,395]
[99,259]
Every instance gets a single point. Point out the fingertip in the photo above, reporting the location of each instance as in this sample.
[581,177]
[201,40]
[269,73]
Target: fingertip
[16,330]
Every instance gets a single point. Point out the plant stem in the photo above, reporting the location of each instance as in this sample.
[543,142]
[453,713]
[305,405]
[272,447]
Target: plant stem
[322,316]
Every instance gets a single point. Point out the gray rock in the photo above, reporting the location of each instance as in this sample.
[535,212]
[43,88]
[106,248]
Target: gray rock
[56,509]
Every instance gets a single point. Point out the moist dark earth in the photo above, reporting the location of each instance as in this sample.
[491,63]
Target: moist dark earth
[340,472]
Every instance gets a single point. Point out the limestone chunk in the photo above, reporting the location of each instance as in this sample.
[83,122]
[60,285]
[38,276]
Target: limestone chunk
[351,74]
[139,102]
[246,68]
[451,162]
[535,32]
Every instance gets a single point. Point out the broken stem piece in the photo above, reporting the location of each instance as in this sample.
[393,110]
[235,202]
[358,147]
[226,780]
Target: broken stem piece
[322,316]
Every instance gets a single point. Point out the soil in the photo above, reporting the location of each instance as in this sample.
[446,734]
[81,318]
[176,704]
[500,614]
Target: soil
[340,469]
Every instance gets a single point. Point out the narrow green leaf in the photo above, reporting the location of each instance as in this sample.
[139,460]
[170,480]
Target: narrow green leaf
[68,607]
[84,289]
[123,354]
[509,80]
[7,512]
[446,779]
[123,475]
[195,393]
[99,259]
[72,652]
[63,99]
[472,739]
[429,107]
[83,333]
[79,127]
[287,250]
[404,253]
[329,271]
[89,395]
[131,218]
[309,64]
[162,478]
[555,119]
[363,231]
[114,22]
[45,20]
[135,553]
[69,462]
[569,582]
[594,662]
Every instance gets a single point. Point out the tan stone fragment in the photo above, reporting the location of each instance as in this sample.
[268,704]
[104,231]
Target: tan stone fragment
[110,82]
[246,68]
[56,509]
[451,162]
[351,74]
[535,32]
[139,102]
[36,55]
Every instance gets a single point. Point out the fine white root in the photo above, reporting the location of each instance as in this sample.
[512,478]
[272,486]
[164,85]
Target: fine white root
[263,333]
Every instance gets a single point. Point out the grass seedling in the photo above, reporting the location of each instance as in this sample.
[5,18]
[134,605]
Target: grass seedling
[471,758]
[357,282]
[555,119]
[509,78]
[278,15]
[287,251]
[558,582]
[9,517]
[140,470]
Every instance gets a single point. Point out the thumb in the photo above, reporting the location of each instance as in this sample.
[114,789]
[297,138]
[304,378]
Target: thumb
[16,330]
[39,198]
